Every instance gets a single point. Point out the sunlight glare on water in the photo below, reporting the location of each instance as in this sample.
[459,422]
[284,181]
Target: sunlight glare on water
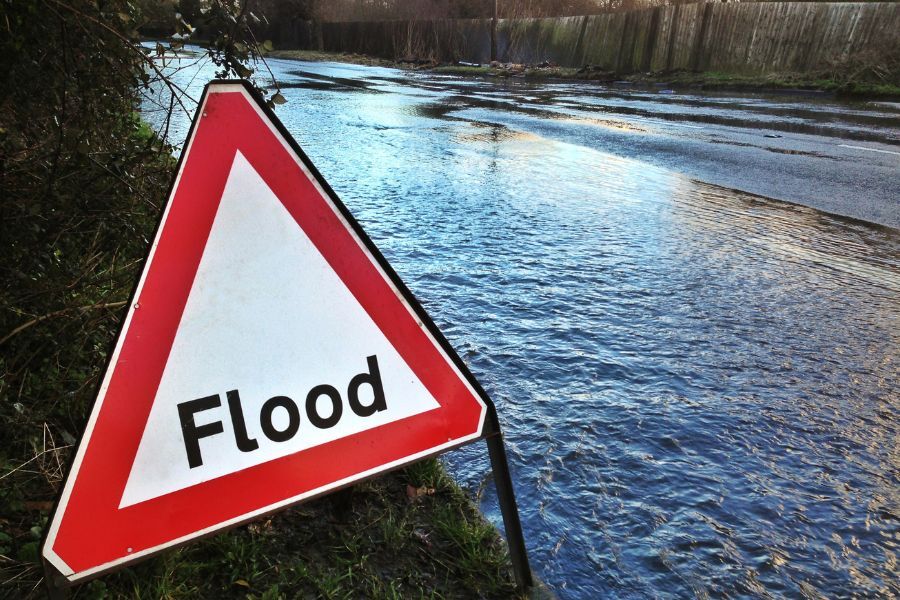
[699,387]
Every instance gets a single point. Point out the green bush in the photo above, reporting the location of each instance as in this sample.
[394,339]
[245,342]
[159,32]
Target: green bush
[82,182]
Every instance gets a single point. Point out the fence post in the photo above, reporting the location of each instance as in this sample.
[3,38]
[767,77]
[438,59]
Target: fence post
[494,33]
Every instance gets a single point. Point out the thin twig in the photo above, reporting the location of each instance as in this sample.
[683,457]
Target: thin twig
[58,313]
[131,46]
[34,458]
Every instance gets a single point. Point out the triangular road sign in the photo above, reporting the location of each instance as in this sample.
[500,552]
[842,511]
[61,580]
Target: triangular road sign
[269,354]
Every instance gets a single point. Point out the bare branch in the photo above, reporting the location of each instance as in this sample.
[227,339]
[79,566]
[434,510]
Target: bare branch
[59,313]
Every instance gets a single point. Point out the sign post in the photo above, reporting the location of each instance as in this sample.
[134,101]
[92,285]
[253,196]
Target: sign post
[506,498]
[269,355]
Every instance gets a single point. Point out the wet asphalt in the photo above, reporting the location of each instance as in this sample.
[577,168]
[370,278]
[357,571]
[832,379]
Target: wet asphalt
[841,157]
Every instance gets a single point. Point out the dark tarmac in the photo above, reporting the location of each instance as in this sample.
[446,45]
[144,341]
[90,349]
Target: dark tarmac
[842,157]
[838,156]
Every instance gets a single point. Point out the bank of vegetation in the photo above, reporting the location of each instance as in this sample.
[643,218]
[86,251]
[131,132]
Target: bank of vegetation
[850,86]
[82,184]
[840,86]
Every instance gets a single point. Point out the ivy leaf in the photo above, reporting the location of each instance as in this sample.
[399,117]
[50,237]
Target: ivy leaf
[28,552]
[5,543]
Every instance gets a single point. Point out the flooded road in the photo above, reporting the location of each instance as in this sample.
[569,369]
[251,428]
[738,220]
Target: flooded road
[699,386]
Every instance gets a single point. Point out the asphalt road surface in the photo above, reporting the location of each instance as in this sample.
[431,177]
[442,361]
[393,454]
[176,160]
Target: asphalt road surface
[839,157]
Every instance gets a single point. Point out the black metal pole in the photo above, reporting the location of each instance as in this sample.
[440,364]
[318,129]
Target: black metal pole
[508,508]
[53,582]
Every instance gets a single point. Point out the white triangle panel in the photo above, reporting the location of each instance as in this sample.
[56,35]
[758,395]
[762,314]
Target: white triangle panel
[266,316]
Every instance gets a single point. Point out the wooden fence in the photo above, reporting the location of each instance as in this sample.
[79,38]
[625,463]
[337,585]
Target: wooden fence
[747,37]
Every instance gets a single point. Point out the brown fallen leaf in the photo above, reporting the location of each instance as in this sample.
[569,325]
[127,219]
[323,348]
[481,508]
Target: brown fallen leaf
[422,536]
[260,527]
[414,493]
[242,583]
[41,505]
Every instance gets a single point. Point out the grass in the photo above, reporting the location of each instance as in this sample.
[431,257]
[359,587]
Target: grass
[320,56]
[776,81]
[371,541]
[710,80]
[526,71]
[463,70]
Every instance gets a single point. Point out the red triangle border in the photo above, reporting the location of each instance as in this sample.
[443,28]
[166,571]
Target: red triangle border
[89,534]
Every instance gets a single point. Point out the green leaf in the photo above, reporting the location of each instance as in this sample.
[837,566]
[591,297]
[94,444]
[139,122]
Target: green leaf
[5,543]
[267,46]
[28,552]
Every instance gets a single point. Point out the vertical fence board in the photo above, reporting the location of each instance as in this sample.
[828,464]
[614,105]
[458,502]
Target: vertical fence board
[745,37]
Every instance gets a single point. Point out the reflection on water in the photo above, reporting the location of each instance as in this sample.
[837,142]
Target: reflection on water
[700,386]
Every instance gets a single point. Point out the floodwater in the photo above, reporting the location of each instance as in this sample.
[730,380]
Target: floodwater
[699,386]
